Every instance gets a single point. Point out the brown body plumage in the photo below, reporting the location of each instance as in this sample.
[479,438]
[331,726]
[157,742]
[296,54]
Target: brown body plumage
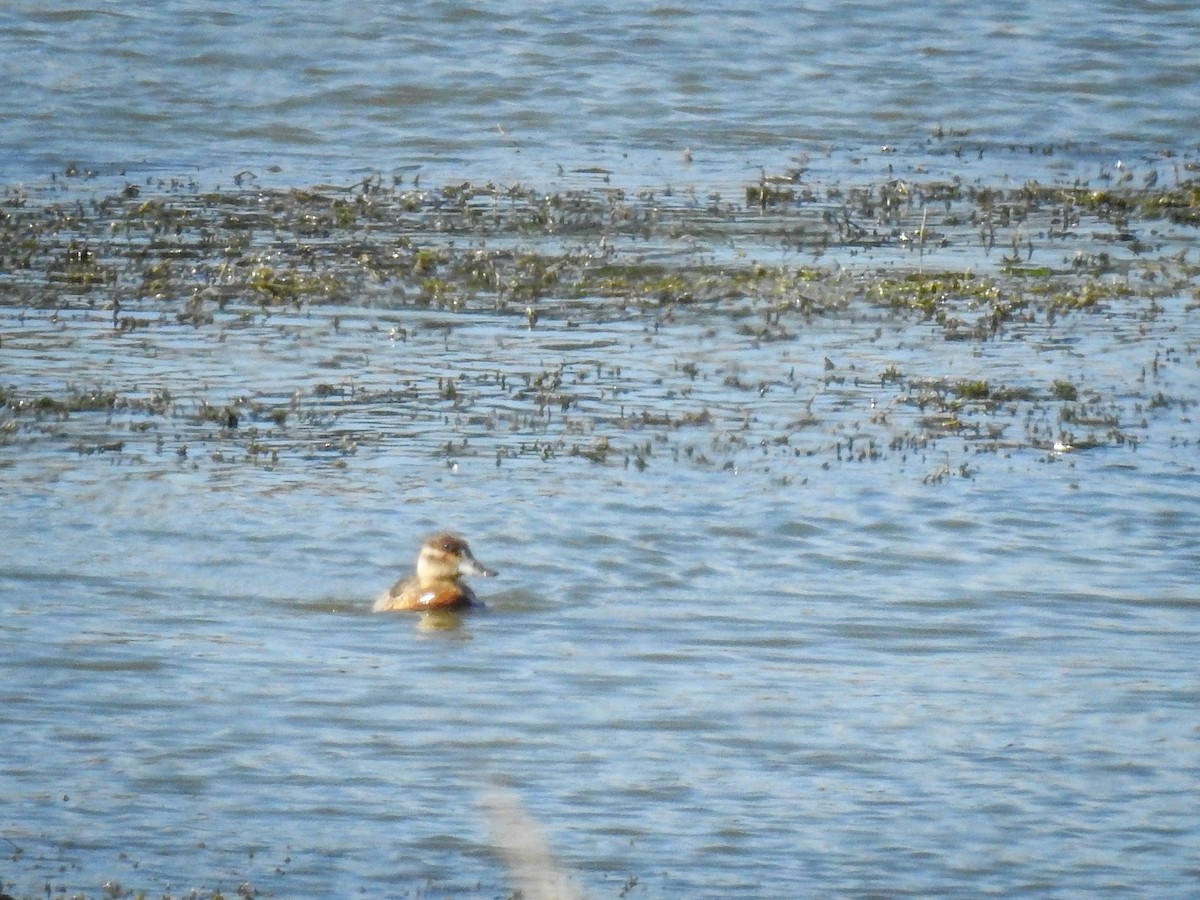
[437,583]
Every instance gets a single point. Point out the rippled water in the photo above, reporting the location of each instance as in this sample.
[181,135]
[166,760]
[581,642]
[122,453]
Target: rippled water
[488,90]
[794,672]
[807,645]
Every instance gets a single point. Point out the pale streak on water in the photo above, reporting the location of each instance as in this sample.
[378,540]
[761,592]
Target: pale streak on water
[774,679]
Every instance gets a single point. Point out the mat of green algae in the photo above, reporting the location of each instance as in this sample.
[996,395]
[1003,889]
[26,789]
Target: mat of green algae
[115,305]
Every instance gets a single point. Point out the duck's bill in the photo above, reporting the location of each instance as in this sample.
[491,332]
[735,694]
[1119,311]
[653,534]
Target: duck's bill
[472,566]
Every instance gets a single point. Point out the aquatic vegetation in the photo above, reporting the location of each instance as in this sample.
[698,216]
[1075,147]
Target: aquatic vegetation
[292,286]
[72,402]
[972,390]
[380,271]
[764,195]
[1064,390]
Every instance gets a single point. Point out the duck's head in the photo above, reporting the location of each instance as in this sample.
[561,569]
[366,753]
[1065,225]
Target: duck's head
[447,557]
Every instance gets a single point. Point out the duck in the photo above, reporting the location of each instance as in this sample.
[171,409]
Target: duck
[437,583]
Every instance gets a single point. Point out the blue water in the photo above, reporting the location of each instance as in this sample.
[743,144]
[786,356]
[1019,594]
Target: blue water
[485,90]
[734,660]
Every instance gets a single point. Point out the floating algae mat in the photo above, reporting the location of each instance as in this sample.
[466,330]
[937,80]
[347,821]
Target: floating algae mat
[786,326]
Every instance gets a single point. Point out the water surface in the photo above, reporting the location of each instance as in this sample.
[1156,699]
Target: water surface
[782,610]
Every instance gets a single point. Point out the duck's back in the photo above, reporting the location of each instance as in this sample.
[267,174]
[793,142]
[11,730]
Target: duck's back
[407,594]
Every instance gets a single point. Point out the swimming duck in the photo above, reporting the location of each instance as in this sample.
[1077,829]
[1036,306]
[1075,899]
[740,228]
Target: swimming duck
[437,585]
